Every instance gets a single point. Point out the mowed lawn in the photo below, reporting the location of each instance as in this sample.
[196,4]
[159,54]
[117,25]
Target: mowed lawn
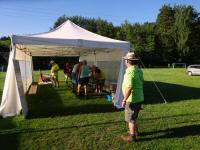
[58,120]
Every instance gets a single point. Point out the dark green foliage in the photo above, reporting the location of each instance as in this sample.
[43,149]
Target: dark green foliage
[177,33]
[4,44]
[185,24]
[4,50]
[182,30]
[164,33]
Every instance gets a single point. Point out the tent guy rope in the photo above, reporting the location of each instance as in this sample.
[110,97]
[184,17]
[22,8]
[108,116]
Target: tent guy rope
[157,88]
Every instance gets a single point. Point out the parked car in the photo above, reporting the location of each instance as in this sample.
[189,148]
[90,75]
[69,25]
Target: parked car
[193,70]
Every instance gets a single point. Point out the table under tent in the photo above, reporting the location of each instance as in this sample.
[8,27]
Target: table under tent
[66,40]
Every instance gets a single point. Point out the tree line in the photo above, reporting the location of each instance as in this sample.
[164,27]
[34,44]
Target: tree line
[173,37]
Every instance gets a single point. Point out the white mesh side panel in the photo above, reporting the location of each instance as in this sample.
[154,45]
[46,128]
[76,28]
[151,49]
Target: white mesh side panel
[108,61]
[26,73]
[25,63]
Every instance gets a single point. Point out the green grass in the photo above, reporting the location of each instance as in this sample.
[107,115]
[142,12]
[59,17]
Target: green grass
[58,120]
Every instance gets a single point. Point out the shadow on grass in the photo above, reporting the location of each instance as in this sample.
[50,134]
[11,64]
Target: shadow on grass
[171,92]
[179,132]
[70,110]
[11,140]
[31,130]
[8,140]
[173,116]
[51,102]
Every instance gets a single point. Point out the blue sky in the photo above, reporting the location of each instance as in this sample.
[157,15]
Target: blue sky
[36,16]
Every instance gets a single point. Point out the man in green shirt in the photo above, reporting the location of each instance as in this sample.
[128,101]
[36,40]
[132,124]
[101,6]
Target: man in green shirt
[132,88]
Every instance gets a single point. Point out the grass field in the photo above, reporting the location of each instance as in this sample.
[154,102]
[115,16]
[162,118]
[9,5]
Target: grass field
[58,120]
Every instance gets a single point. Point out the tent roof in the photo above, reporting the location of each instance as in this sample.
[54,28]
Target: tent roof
[69,30]
[68,37]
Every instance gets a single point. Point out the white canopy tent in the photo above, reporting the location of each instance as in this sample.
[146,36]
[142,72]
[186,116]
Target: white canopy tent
[66,40]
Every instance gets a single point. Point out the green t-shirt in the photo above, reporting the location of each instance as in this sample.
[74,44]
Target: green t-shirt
[133,78]
[85,71]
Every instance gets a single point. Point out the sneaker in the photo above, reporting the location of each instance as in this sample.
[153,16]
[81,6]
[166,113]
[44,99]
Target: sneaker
[129,139]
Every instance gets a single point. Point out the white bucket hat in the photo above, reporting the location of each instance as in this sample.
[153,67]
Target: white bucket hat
[130,56]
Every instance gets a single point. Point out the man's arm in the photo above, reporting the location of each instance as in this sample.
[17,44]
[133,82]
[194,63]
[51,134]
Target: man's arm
[127,94]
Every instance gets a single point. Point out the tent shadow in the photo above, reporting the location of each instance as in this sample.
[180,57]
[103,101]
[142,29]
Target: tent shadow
[43,104]
[31,130]
[73,110]
[12,138]
[172,116]
[171,92]
[178,132]
[5,137]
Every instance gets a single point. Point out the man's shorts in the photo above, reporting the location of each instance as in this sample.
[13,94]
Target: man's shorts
[84,81]
[54,77]
[132,111]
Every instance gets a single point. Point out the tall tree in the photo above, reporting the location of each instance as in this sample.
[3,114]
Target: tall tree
[194,40]
[165,42]
[186,19]
[104,28]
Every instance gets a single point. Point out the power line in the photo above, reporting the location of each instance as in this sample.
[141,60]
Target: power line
[41,12]
[29,10]
[28,13]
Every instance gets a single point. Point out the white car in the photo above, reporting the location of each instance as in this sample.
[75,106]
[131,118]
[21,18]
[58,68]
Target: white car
[193,70]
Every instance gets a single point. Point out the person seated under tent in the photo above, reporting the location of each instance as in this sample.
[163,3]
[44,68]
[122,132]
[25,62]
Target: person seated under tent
[44,79]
